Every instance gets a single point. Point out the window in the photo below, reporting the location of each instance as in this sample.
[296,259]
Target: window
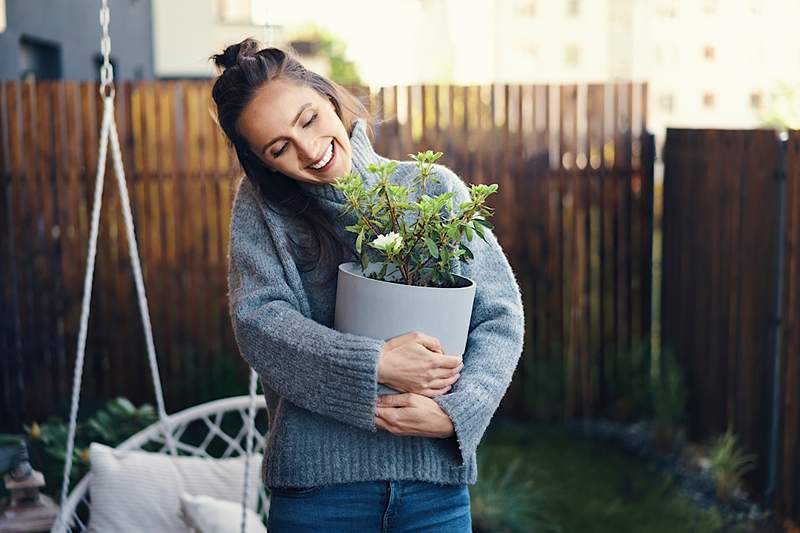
[755,100]
[572,55]
[709,53]
[708,99]
[242,12]
[39,60]
[573,8]
[666,102]
[666,8]
[525,8]
[528,49]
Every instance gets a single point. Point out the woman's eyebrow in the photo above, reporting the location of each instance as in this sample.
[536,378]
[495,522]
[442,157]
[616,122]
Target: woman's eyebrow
[296,118]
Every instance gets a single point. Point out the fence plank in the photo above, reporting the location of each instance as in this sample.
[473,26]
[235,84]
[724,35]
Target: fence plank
[788,485]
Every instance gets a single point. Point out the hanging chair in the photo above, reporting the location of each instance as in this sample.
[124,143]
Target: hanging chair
[204,439]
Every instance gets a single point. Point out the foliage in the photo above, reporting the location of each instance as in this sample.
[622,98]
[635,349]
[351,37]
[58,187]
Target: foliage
[416,239]
[111,425]
[343,71]
[728,463]
[782,112]
[669,394]
[583,485]
[505,498]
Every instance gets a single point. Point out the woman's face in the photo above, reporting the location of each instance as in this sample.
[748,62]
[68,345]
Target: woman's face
[296,131]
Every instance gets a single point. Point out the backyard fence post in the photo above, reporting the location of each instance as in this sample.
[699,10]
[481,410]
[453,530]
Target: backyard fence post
[775,324]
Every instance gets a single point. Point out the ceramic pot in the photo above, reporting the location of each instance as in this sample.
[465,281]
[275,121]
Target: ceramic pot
[383,309]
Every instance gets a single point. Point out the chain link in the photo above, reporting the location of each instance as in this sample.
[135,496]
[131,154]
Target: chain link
[106,70]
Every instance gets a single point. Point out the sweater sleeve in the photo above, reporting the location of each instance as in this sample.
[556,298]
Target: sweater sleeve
[495,340]
[315,367]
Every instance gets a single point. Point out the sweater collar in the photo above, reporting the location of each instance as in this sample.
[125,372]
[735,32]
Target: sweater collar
[363,156]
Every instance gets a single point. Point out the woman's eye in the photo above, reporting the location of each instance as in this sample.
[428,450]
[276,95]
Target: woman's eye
[313,118]
[283,148]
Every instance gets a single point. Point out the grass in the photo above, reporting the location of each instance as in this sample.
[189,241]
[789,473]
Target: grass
[581,485]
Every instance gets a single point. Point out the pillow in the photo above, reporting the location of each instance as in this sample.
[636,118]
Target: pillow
[209,515]
[140,491]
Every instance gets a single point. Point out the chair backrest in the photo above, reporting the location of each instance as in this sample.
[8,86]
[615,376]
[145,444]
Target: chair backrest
[216,429]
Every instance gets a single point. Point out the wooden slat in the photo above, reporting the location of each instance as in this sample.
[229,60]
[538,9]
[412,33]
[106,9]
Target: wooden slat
[788,483]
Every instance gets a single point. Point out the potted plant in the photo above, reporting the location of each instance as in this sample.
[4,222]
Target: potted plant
[408,249]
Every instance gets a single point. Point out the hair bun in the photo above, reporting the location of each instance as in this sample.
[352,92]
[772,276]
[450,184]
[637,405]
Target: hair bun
[233,53]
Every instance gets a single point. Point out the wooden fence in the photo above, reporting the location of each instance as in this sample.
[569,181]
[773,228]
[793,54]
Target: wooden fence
[574,213]
[728,261]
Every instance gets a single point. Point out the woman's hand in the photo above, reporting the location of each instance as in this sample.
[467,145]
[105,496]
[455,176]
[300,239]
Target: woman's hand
[412,415]
[415,363]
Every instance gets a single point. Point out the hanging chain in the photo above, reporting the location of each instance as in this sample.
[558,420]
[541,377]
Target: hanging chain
[106,70]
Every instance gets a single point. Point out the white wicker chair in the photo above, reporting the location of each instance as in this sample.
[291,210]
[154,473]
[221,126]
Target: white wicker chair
[208,416]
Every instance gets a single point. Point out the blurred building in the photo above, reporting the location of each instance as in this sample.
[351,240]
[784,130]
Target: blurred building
[708,63]
[187,32]
[60,39]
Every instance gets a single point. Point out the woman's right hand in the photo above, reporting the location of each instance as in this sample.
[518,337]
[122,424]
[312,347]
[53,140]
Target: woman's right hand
[415,362]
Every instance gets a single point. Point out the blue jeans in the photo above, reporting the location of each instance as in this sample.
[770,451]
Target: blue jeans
[371,507]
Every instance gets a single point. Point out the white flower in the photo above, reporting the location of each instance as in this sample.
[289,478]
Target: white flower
[390,242]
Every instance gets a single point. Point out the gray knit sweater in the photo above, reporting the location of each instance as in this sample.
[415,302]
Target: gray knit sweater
[321,385]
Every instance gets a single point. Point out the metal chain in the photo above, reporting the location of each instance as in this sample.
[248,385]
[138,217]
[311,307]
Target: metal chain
[106,70]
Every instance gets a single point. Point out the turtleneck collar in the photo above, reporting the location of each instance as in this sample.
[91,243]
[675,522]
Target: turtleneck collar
[363,156]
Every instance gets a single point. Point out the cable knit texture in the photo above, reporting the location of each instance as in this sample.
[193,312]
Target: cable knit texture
[321,385]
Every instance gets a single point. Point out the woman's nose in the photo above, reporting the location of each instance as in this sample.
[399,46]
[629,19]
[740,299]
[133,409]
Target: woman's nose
[307,151]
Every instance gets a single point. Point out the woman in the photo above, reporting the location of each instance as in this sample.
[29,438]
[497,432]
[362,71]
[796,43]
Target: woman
[338,457]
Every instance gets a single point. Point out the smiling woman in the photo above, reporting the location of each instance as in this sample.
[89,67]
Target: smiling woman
[339,457]
[280,119]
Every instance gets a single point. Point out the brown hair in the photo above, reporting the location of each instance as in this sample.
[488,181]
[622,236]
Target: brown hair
[244,68]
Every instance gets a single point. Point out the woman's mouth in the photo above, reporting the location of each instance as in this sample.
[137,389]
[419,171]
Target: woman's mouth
[326,161]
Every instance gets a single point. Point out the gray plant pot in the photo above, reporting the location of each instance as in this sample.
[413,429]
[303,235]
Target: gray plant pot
[382,310]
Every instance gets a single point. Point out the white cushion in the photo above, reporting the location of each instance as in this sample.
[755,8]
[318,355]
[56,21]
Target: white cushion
[209,515]
[140,491]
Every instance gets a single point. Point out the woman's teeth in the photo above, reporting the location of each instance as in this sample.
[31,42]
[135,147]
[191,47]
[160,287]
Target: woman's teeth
[325,159]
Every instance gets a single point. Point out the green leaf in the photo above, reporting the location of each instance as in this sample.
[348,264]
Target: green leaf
[359,241]
[467,252]
[468,230]
[478,229]
[453,233]
[432,247]
[483,222]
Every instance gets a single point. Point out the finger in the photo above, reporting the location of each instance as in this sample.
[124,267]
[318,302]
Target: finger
[385,419]
[431,343]
[450,361]
[444,373]
[443,382]
[394,400]
[381,424]
[432,393]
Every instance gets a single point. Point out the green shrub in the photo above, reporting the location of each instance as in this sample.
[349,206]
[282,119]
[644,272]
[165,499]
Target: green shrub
[505,498]
[669,395]
[118,420]
[728,464]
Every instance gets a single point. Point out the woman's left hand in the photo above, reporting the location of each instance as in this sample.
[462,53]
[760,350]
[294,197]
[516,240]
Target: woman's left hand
[412,415]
